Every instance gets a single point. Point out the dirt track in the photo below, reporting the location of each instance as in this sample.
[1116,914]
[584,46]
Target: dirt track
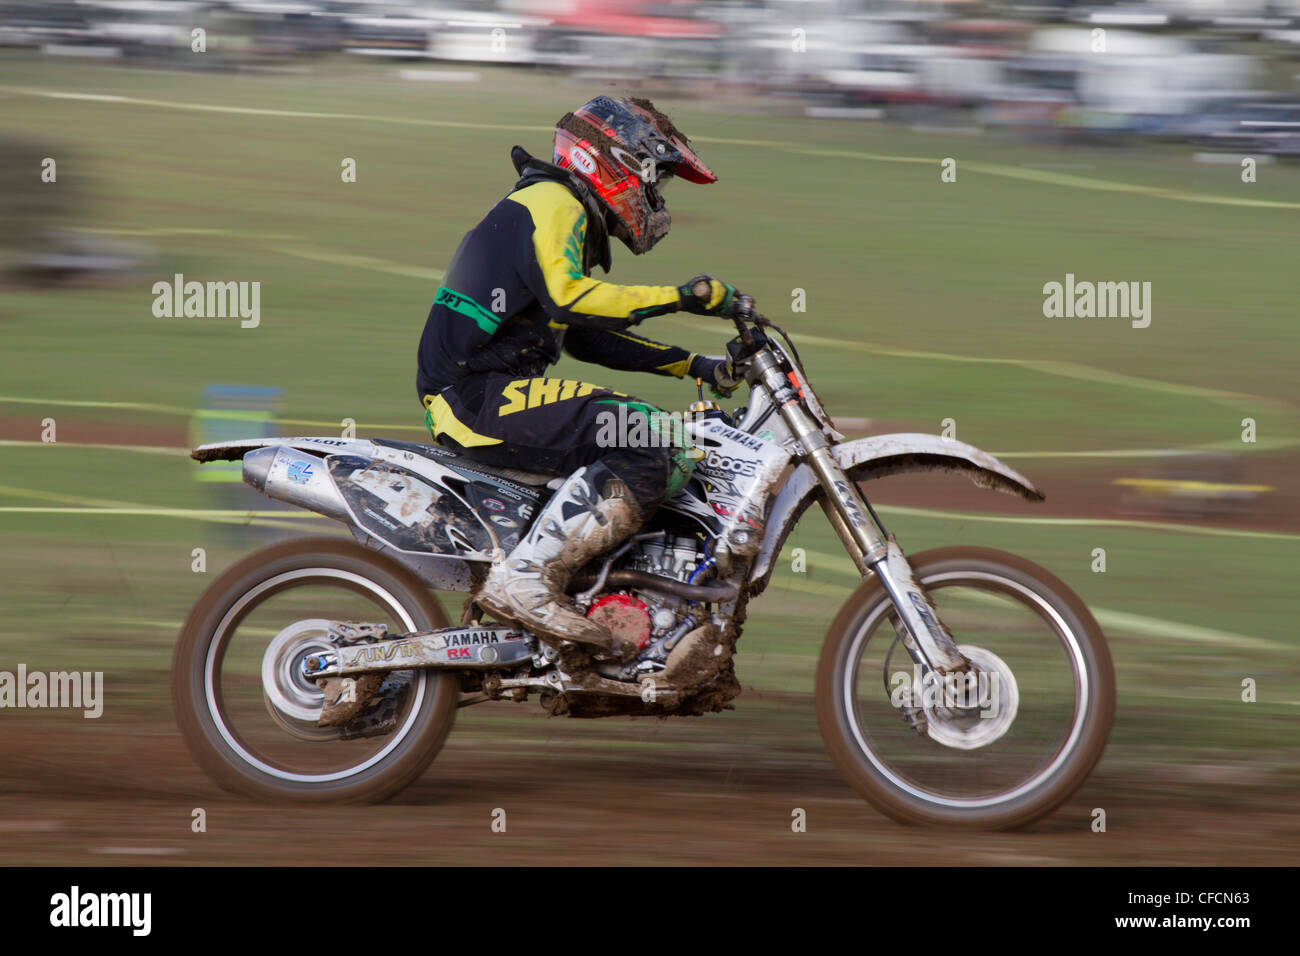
[713,790]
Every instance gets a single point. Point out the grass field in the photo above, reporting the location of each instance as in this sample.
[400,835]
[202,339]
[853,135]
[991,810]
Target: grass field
[924,302]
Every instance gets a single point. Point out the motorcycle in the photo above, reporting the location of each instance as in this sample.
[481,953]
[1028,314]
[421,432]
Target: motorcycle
[961,687]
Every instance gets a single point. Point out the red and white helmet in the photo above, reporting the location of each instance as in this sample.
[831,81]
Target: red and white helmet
[627,151]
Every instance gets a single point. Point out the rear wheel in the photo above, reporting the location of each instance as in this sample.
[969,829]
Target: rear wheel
[1029,729]
[247,713]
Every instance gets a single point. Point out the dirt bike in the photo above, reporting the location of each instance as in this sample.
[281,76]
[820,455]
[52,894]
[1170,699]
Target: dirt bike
[961,687]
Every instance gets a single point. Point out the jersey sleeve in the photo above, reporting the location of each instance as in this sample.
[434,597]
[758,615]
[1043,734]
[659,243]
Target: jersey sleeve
[552,269]
[627,351]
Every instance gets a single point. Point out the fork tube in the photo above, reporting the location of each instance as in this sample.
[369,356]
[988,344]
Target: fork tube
[870,550]
[841,503]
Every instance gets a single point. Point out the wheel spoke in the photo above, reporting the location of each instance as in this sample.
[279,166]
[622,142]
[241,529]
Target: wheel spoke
[966,746]
[256,696]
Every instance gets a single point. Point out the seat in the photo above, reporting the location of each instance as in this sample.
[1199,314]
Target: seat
[534,479]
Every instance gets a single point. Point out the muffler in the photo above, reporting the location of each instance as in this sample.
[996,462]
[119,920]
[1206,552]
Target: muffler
[296,477]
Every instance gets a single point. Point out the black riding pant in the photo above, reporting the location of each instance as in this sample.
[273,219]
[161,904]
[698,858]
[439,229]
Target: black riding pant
[558,426]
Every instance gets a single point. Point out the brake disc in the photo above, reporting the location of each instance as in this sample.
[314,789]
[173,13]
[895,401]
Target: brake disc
[292,699]
[967,717]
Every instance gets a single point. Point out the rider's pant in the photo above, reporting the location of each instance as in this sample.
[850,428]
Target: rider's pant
[559,425]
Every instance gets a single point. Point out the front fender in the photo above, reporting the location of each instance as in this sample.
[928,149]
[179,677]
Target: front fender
[865,459]
[881,455]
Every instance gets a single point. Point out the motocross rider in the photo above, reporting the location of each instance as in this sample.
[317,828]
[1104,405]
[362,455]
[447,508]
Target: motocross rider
[518,290]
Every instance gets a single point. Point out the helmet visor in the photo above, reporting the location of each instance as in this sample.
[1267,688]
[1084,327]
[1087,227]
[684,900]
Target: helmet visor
[689,166]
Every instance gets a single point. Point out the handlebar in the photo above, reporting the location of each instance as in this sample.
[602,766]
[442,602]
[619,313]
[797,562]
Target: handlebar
[743,313]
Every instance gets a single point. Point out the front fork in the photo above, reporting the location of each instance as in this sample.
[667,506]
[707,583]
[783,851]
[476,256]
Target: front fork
[927,639]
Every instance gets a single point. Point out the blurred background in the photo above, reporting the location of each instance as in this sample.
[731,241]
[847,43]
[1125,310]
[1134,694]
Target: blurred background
[1209,72]
[1143,142]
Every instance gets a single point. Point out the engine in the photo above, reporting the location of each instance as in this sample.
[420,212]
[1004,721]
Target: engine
[670,557]
[655,621]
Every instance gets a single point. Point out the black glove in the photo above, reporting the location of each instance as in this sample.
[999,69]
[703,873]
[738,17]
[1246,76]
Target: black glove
[718,373]
[705,295]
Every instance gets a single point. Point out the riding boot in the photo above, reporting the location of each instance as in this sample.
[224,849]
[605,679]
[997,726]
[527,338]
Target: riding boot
[591,513]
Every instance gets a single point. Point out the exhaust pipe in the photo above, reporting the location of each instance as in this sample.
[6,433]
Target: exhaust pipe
[296,478]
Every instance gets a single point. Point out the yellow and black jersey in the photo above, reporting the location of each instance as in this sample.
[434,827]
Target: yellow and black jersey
[519,290]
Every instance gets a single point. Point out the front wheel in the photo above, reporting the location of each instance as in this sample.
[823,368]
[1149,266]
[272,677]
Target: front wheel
[249,715]
[996,749]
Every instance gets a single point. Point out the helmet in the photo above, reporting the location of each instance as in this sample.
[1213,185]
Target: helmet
[626,151]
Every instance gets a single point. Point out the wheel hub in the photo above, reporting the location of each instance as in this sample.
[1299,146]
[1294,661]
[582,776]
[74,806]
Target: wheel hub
[289,692]
[969,711]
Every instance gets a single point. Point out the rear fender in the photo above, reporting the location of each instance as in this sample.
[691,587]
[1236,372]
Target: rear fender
[434,519]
